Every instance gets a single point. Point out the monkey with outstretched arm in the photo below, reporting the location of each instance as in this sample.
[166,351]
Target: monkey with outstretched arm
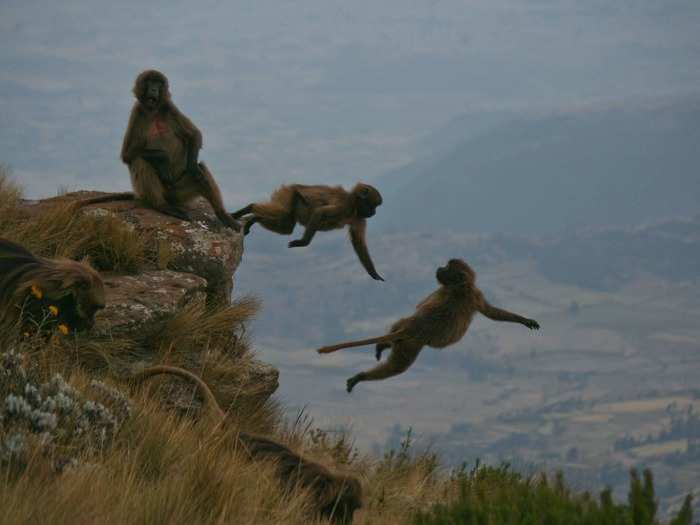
[440,320]
[318,208]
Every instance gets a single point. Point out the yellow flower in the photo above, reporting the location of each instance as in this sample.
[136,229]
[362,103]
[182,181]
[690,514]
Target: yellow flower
[53,310]
[63,328]
[36,292]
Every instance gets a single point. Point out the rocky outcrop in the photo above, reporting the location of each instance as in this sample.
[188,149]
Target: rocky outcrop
[184,262]
[135,302]
[202,247]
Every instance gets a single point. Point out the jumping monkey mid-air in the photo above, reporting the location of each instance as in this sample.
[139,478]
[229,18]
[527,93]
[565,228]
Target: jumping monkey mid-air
[440,320]
[318,208]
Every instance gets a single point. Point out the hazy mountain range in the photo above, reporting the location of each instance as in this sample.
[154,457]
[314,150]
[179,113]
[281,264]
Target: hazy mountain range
[618,166]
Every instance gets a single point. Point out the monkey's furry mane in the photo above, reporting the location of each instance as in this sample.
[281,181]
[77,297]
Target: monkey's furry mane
[151,74]
[20,270]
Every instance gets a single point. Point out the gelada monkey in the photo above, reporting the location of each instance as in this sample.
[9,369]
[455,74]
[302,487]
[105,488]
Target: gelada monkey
[318,208]
[31,285]
[337,496]
[440,320]
[161,147]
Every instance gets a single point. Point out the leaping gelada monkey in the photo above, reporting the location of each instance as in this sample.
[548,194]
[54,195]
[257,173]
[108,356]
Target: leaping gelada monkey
[318,208]
[440,320]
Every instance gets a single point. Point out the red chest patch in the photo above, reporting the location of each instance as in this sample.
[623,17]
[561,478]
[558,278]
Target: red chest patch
[159,127]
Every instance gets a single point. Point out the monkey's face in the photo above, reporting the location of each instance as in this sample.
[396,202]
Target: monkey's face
[151,89]
[455,273]
[153,94]
[367,200]
[89,299]
[79,299]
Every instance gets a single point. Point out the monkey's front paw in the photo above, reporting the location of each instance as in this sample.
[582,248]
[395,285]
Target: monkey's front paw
[351,383]
[298,243]
[532,324]
[379,349]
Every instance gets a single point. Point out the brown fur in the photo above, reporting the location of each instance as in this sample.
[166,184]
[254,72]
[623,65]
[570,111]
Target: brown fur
[440,320]
[158,128]
[337,496]
[318,208]
[74,287]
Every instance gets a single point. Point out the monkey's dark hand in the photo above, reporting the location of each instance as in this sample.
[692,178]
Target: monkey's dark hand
[351,383]
[379,349]
[196,172]
[155,155]
[159,161]
[532,324]
[298,243]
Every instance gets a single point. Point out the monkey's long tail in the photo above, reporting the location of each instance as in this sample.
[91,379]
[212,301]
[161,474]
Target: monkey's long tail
[290,465]
[112,197]
[210,401]
[389,338]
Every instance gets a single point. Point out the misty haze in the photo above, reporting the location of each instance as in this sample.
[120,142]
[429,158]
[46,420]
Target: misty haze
[554,145]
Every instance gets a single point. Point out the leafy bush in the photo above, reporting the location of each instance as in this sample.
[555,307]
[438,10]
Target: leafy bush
[497,495]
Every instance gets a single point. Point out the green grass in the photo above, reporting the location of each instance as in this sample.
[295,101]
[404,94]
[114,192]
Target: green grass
[490,495]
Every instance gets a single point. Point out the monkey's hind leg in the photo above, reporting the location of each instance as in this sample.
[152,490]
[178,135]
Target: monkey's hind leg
[211,192]
[243,211]
[273,217]
[403,355]
[149,189]
[249,224]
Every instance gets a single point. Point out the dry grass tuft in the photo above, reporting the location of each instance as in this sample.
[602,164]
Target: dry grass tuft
[58,231]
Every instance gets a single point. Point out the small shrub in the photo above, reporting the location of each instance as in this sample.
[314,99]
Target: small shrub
[52,416]
[498,495]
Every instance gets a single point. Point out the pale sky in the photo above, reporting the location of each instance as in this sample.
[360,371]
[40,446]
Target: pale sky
[315,91]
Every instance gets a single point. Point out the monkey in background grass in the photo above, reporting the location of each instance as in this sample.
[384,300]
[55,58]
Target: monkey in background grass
[37,290]
[337,496]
